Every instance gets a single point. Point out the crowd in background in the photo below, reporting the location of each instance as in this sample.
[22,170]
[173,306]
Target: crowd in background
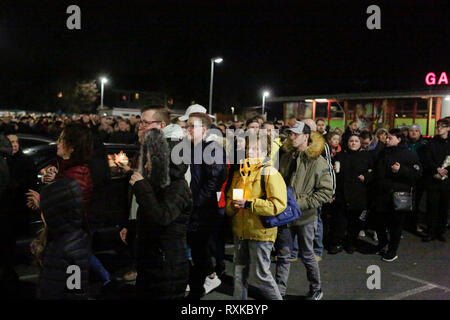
[346,184]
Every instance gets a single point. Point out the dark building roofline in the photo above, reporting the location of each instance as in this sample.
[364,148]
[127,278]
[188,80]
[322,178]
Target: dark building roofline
[370,95]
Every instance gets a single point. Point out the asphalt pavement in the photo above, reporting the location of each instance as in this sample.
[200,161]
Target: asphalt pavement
[421,272]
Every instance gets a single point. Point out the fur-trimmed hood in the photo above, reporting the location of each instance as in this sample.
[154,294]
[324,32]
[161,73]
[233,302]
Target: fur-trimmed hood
[163,171]
[316,145]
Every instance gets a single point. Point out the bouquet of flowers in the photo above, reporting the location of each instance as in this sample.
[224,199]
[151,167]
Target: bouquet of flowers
[444,165]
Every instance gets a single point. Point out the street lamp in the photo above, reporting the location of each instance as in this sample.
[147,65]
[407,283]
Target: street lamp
[265,94]
[103,80]
[213,60]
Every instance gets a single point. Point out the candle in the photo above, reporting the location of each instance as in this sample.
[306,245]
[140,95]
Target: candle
[238,194]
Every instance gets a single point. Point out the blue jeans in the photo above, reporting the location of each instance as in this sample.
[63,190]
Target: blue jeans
[318,235]
[294,250]
[99,269]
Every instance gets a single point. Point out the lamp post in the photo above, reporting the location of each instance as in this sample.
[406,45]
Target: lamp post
[213,60]
[265,94]
[103,80]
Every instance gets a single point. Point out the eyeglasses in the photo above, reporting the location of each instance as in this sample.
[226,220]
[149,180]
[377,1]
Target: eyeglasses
[441,126]
[146,124]
[192,126]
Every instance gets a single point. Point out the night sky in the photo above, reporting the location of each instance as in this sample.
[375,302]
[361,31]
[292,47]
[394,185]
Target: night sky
[289,47]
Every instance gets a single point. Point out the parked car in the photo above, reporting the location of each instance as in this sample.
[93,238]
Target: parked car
[32,140]
[109,204]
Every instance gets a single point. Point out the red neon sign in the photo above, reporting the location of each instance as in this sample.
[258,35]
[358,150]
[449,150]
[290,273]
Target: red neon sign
[430,79]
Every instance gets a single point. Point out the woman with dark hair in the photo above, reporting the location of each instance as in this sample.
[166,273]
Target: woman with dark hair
[74,151]
[350,130]
[396,170]
[165,205]
[353,169]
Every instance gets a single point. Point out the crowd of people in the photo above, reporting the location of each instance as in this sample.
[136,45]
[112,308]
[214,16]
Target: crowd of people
[344,183]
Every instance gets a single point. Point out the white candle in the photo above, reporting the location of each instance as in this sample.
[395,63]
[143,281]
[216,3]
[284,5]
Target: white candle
[238,194]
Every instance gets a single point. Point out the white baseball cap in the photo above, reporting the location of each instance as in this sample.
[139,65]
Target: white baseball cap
[300,128]
[195,108]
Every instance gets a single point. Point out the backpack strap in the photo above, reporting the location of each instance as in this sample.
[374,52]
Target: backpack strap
[263,182]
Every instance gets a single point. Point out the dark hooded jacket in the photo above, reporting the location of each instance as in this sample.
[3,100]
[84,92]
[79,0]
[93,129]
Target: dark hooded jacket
[351,193]
[387,182]
[165,205]
[67,241]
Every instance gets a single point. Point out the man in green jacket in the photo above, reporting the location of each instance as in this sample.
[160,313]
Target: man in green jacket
[308,173]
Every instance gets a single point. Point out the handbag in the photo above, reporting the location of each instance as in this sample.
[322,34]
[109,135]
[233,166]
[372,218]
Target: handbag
[403,200]
[290,214]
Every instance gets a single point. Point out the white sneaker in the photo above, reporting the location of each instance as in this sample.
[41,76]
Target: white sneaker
[211,284]
[362,234]
[375,237]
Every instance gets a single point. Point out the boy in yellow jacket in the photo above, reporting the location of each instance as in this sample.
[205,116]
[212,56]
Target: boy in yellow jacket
[253,242]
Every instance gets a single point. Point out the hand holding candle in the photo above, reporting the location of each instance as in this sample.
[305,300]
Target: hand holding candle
[238,198]
[238,194]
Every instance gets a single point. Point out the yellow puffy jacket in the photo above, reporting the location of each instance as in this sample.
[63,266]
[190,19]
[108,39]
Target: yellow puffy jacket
[276,145]
[246,222]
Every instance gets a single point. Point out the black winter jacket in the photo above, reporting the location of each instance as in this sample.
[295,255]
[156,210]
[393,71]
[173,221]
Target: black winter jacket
[375,153]
[351,193]
[67,241]
[387,182]
[436,152]
[125,137]
[162,222]
[5,150]
[206,181]
[22,178]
